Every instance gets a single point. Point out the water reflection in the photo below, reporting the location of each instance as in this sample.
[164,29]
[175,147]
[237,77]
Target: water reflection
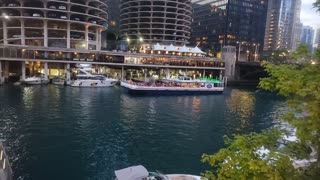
[240,104]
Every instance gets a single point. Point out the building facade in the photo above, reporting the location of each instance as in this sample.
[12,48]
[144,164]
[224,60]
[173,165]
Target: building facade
[317,40]
[226,22]
[283,25]
[307,35]
[73,24]
[150,22]
[51,38]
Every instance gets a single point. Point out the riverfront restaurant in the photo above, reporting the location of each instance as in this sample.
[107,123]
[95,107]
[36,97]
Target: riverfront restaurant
[19,62]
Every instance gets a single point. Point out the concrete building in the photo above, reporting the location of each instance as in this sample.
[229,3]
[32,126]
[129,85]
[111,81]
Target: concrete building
[317,40]
[150,22]
[307,36]
[224,22]
[52,38]
[283,25]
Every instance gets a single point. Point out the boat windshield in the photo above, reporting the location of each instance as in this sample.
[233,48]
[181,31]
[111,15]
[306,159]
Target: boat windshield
[90,77]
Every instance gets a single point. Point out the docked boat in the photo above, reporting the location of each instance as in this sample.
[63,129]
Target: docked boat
[89,80]
[35,81]
[140,173]
[201,87]
[59,81]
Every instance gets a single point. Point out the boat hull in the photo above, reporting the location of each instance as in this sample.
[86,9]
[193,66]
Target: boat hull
[97,83]
[139,90]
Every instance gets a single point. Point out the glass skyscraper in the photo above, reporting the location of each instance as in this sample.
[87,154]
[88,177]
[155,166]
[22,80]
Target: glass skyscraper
[229,22]
[283,27]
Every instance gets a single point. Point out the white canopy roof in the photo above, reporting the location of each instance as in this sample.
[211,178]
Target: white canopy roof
[132,173]
[172,48]
[158,47]
[184,49]
[196,50]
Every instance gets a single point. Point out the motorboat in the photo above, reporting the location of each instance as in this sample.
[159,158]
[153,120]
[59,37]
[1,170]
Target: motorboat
[141,173]
[35,81]
[59,81]
[87,79]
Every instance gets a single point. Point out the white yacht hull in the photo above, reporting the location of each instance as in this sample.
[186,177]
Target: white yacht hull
[93,83]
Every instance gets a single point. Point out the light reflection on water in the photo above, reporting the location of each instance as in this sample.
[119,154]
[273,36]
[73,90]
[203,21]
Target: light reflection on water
[62,133]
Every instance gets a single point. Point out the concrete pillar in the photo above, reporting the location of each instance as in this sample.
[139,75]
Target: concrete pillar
[68,77]
[122,73]
[68,35]
[23,71]
[45,71]
[86,38]
[5,33]
[23,40]
[1,79]
[145,75]
[97,39]
[6,71]
[45,33]
[204,73]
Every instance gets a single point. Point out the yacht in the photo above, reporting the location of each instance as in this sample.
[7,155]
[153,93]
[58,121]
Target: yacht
[140,173]
[35,81]
[90,80]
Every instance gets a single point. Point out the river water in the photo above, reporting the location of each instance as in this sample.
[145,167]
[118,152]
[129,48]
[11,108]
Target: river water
[67,133]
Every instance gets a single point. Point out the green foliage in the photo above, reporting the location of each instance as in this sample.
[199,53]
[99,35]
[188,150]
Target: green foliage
[301,86]
[302,54]
[317,5]
[241,160]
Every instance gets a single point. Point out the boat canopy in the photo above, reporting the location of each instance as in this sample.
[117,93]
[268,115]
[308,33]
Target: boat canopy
[132,173]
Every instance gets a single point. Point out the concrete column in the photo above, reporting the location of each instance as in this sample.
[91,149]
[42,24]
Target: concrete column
[68,35]
[122,73]
[5,33]
[1,79]
[45,71]
[145,75]
[6,71]
[86,38]
[45,33]
[204,73]
[68,78]
[23,71]
[97,39]
[23,40]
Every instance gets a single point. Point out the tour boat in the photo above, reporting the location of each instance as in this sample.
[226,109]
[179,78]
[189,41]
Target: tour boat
[35,81]
[89,80]
[140,173]
[201,87]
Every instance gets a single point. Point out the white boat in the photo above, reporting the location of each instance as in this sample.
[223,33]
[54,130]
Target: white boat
[33,80]
[140,173]
[59,81]
[180,79]
[89,80]
[163,88]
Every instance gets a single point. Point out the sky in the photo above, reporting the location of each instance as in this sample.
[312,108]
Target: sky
[309,16]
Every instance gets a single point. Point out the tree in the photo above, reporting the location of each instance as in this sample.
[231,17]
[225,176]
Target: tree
[317,5]
[302,54]
[253,156]
[300,84]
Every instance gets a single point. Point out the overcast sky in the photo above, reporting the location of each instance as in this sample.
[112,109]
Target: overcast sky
[309,16]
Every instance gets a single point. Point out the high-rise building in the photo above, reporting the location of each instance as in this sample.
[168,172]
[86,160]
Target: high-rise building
[226,22]
[283,25]
[307,36]
[75,24]
[317,41]
[150,22]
